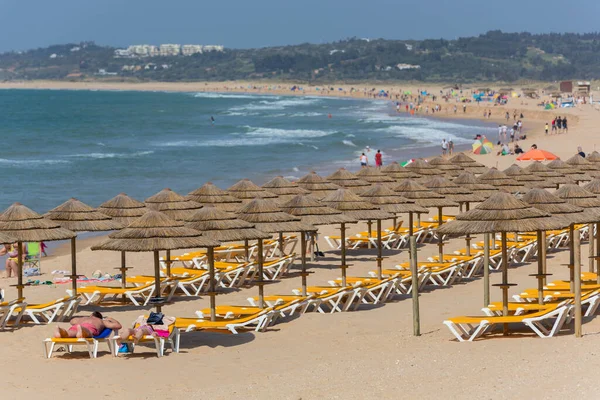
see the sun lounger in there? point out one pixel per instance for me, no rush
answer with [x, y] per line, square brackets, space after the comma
[375, 291]
[8, 314]
[335, 299]
[96, 294]
[69, 343]
[52, 311]
[158, 342]
[278, 300]
[545, 323]
[255, 321]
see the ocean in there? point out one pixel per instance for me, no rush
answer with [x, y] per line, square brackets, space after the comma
[93, 145]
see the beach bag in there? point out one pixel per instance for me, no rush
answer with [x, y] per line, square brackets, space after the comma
[155, 318]
[34, 271]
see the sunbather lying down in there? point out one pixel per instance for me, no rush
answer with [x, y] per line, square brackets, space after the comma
[87, 327]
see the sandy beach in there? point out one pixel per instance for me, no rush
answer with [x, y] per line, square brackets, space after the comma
[368, 354]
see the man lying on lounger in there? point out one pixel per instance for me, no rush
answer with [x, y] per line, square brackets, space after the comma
[87, 327]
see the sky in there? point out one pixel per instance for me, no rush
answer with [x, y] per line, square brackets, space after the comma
[26, 24]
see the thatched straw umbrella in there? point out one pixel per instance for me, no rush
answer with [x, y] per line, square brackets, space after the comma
[313, 212]
[527, 178]
[211, 195]
[25, 225]
[246, 190]
[392, 202]
[501, 181]
[455, 193]
[125, 210]
[578, 196]
[469, 181]
[267, 216]
[283, 188]
[172, 204]
[569, 171]
[468, 164]
[552, 176]
[347, 180]
[593, 157]
[79, 217]
[318, 186]
[423, 169]
[222, 226]
[594, 187]
[155, 231]
[398, 172]
[450, 169]
[583, 165]
[374, 176]
[355, 207]
[503, 213]
[563, 213]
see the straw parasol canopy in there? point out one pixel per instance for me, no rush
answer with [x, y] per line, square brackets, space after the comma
[578, 196]
[583, 165]
[155, 231]
[501, 212]
[469, 181]
[6, 239]
[593, 186]
[354, 206]
[423, 169]
[593, 157]
[468, 164]
[211, 195]
[283, 188]
[569, 171]
[500, 180]
[390, 201]
[452, 191]
[25, 225]
[267, 216]
[123, 209]
[222, 226]
[347, 180]
[559, 208]
[313, 212]
[79, 217]
[527, 178]
[422, 196]
[551, 176]
[398, 172]
[248, 190]
[317, 185]
[446, 166]
[374, 175]
[172, 204]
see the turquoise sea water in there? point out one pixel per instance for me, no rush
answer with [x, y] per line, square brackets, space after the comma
[93, 145]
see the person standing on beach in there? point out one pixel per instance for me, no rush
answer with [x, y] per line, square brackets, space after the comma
[546, 128]
[464, 108]
[364, 161]
[507, 116]
[554, 125]
[444, 147]
[499, 132]
[378, 159]
[564, 124]
[558, 124]
[450, 147]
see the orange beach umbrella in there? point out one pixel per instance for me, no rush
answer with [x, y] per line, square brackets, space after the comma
[537, 155]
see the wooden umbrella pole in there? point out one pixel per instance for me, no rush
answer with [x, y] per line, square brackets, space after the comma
[168, 262]
[211, 283]
[540, 271]
[123, 270]
[591, 248]
[303, 259]
[379, 251]
[468, 237]
[486, 269]
[281, 253]
[343, 239]
[74, 266]
[598, 253]
[577, 282]
[395, 221]
[542, 248]
[157, 281]
[412, 241]
[410, 230]
[369, 227]
[313, 237]
[20, 272]
[572, 257]
[261, 293]
[504, 280]
[246, 251]
[440, 237]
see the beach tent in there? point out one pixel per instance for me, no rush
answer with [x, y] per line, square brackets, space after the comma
[537, 155]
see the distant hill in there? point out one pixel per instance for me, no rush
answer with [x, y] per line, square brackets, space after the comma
[494, 56]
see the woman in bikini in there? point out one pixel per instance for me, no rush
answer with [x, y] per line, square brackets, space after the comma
[12, 264]
[87, 327]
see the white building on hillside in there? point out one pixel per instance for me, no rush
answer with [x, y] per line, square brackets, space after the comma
[167, 50]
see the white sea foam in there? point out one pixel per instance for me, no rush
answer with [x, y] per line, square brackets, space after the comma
[31, 163]
[211, 95]
[287, 133]
[306, 114]
[424, 135]
[348, 143]
[295, 169]
[350, 135]
[269, 105]
[101, 156]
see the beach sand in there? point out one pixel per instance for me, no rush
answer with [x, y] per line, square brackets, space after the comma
[366, 354]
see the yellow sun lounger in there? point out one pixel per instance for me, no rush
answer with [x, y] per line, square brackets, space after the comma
[52, 311]
[254, 321]
[158, 342]
[545, 323]
[69, 343]
[96, 294]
